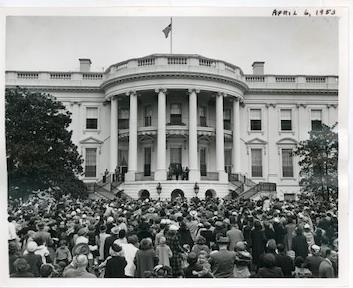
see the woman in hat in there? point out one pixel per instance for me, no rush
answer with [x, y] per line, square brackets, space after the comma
[173, 242]
[145, 258]
[115, 266]
[242, 261]
[200, 245]
[258, 241]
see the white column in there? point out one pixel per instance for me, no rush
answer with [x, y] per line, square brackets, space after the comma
[194, 174]
[113, 133]
[130, 175]
[222, 176]
[161, 172]
[236, 137]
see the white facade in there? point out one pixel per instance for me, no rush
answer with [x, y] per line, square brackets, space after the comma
[202, 113]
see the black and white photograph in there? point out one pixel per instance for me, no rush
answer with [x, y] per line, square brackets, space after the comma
[173, 146]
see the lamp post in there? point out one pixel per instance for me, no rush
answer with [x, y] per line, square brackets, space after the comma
[159, 190]
[196, 188]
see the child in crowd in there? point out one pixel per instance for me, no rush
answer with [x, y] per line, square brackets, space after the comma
[206, 266]
[62, 253]
[163, 252]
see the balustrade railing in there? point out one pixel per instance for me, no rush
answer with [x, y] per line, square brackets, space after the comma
[315, 79]
[92, 76]
[177, 60]
[255, 78]
[27, 75]
[60, 76]
[146, 62]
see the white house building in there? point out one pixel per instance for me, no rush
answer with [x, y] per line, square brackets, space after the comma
[153, 115]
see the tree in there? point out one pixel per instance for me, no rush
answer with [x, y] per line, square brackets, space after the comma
[318, 162]
[40, 153]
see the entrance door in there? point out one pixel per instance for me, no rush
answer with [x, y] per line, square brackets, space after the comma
[147, 166]
[203, 165]
[175, 162]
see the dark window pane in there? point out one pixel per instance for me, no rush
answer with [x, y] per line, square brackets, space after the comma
[255, 125]
[123, 123]
[287, 171]
[175, 119]
[90, 171]
[226, 124]
[256, 171]
[148, 121]
[316, 125]
[286, 125]
[203, 122]
[91, 123]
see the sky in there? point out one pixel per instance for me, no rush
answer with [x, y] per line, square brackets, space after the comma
[287, 45]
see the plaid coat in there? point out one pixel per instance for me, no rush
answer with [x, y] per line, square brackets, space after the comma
[176, 260]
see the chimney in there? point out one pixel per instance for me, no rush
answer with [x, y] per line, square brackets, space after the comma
[258, 68]
[85, 64]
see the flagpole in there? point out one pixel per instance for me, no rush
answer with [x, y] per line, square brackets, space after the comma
[171, 35]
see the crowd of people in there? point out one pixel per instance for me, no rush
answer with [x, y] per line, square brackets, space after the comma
[147, 238]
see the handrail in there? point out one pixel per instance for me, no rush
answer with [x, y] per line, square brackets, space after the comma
[260, 187]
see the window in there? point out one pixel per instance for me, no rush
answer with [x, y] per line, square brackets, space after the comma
[147, 166]
[123, 122]
[202, 114]
[287, 163]
[175, 114]
[203, 165]
[228, 160]
[286, 120]
[91, 162]
[316, 120]
[148, 115]
[175, 156]
[91, 118]
[255, 119]
[226, 119]
[256, 162]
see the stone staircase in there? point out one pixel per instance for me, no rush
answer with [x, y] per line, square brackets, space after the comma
[247, 189]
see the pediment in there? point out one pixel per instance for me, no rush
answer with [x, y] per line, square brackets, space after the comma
[91, 140]
[287, 140]
[256, 141]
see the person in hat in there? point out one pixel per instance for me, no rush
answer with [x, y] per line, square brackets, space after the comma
[309, 235]
[101, 239]
[34, 260]
[21, 268]
[114, 235]
[145, 258]
[270, 270]
[193, 266]
[44, 235]
[242, 261]
[173, 241]
[326, 268]
[284, 261]
[200, 245]
[258, 241]
[222, 262]
[163, 252]
[185, 235]
[129, 251]
[62, 253]
[115, 266]
[299, 244]
[235, 236]
[78, 268]
[313, 260]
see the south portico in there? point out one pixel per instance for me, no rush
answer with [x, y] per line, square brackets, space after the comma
[185, 141]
